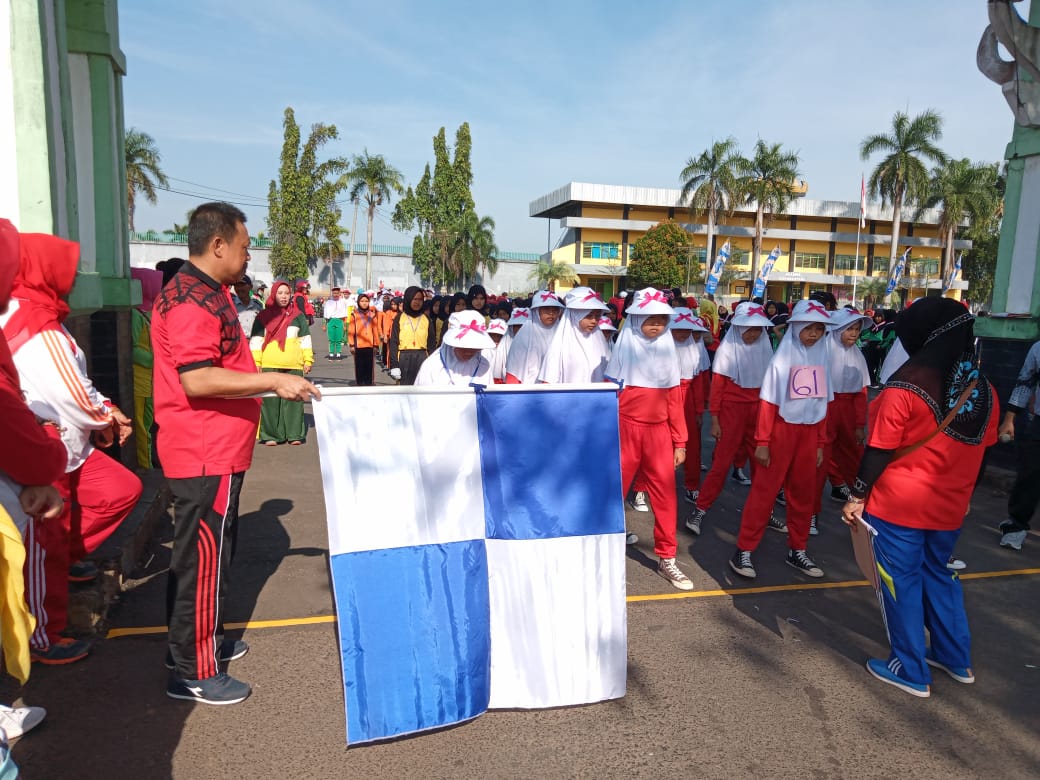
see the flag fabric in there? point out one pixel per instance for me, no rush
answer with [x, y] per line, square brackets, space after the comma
[896, 273]
[948, 283]
[716, 269]
[477, 553]
[763, 273]
[862, 203]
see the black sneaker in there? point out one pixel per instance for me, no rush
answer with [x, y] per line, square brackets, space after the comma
[693, 522]
[800, 560]
[219, 689]
[740, 477]
[230, 650]
[691, 496]
[776, 524]
[741, 564]
[841, 494]
[813, 530]
[781, 499]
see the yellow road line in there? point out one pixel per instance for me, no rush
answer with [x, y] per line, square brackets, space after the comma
[115, 633]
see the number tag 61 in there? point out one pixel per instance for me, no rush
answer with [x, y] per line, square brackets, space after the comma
[807, 382]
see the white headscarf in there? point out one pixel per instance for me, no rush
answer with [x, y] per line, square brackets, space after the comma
[693, 355]
[779, 382]
[745, 364]
[849, 372]
[443, 367]
[531, 342]
[574, 356]
[895, 358]
[497, 354]
[641, 362]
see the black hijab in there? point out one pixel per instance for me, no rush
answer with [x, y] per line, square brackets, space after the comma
[406, 306]
[938, 335]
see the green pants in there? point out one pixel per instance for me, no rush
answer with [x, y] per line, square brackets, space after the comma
[282, 420]
[335, 329]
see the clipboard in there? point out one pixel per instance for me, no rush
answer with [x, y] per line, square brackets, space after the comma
[863, 548]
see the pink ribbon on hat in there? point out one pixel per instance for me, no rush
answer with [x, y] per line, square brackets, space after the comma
[681, 316]
[521, 313]
[549, 295]
[700, 322]
[657, 295]
[605, 321]
[756, 310]
[818, 308]
[592, 295]
[474, 326]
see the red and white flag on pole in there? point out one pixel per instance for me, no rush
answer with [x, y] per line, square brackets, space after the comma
[862, 202]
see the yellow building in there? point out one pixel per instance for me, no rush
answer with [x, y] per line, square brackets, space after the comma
[817, 241]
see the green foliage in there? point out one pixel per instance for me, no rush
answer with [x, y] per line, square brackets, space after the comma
[454, 242]
[143, 173]
[871, 290]
[659, 257]
[303, 214]
[547, 274]
[374, 181]
[765, 180]
[709, 184]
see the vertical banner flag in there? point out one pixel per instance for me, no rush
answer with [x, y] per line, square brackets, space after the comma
[716, 269]
[948, 282]
[862, 203]
[896, 273]
[763, 274]
[474, 568]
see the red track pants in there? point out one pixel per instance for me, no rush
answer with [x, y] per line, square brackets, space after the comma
[846, 453]
[646, 450]
[737, 420]
[792, 465]
[693, 409]
[98, 497]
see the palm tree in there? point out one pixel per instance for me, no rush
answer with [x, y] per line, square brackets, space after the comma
[475, 246]
[901, 178]
[765, 181]
[547, 273]
[143, 173]
[709, 185]
[374, 181]
[965, 190]
[871, 289]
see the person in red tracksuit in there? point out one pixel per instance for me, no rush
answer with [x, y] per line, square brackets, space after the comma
[790, 435]
[847, 415]
[653, 429]
[737, 371]
[688, 333]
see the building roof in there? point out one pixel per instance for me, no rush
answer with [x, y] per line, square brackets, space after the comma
[563, 202]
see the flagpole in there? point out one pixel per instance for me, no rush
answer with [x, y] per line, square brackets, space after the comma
[859, 227]
[855, 275]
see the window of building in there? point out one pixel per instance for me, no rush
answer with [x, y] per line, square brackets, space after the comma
[740, 258]
[596, 250]
[605, 287]
[848, 263]
[810, 261]
[925, 267]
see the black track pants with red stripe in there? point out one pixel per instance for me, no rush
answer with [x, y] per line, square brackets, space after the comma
[205, 518]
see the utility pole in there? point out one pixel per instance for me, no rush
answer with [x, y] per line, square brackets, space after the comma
[350, 253]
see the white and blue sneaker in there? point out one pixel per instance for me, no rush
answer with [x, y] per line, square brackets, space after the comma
[887, 674]
[962, 674]
[1010, 537]
[220, 689]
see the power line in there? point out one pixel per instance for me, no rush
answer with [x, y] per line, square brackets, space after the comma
[218, 189]
[204, 196]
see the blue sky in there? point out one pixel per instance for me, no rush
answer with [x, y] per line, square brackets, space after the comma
[611, 92]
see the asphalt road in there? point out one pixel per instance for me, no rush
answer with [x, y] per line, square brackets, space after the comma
[764, 682]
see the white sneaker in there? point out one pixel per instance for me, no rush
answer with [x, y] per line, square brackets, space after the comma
[631, 538]
[16, 721]
[639, 503]
[668, 569]
[956, 564]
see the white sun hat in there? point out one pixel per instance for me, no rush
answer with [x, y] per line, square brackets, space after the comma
[684, 319]
[751, 315]
[521, 315]
[606, 324]
[842, 318]
[810, 311]
[545, 298]
[497, 326]
[466, 329]
[650, 301]
[584, 299]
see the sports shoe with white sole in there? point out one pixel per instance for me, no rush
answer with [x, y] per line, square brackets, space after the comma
[631, 538]
[781, 498]
[692, 495]
[956, 564]
[741, 564]
[800, 560]
[220, 689]
[230, 650]
[638, 502]
[668, 569]
[777, 524]
[16, 721]
[962, 674]
[740, 477]
[884, 672]
[1014, 539]
[693, 522]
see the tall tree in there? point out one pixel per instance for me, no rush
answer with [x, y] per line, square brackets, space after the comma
[374, 181]
[766, 181]
[962, 190]
[143, 173]
[453, 241]
[901, 177]
[658, 256]
[547, 273]
[302, 210]
[709, 186]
